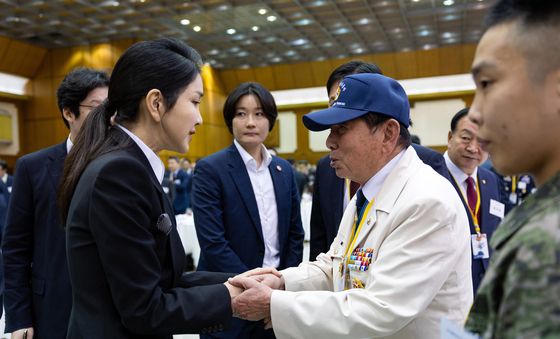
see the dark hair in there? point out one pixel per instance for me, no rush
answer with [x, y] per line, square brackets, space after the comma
[415, 139]
[529, 12]
[265, 98]
[173, 158]
[457, 117]
[351, 67]
[3, 164]
[374, 119]
[76, 86]
[535, 33]
[165, 64]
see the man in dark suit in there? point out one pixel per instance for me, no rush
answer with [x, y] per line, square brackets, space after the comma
[37, 286]
[331, 194]
[478, 188]
[179, 182]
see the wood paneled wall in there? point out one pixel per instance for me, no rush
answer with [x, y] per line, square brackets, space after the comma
[42, 124]
[404, 65]
[19, 58]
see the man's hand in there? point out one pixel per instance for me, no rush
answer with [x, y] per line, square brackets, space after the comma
[268, 276]
[254, 303]
[19, 333]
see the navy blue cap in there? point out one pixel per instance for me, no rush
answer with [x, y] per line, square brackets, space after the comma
[359, 94]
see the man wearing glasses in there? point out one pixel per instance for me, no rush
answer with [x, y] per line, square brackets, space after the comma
[37, 295]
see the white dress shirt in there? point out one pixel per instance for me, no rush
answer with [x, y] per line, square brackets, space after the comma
[458, 174]
[266, 202]
[155, 161]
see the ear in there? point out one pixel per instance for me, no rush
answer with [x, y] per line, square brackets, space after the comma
[449, 136]
[391, 131]
[68, 115]
[155, 105]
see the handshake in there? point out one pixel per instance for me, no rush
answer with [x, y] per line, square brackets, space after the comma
[251, 293]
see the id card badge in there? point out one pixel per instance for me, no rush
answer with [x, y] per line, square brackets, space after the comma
[480, 246]
[513, 198]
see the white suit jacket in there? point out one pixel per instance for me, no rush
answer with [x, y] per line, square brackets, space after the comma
[420, 271]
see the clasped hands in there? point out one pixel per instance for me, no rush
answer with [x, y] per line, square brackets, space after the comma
[251, 293]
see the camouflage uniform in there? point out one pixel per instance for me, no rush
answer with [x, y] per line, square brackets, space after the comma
[520, 295]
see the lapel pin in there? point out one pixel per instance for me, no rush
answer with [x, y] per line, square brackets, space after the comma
[483, 181]
[368, 222]
[279, 168]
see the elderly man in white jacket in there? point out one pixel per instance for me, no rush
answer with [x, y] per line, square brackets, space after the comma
[401, 259]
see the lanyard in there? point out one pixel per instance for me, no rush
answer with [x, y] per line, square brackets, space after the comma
[347, 184]
[354, 235]
[513, 182]
[474, 214]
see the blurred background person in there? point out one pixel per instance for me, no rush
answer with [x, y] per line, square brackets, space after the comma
[38, 295]
[516, 108]
[246, 203]
[477, 187]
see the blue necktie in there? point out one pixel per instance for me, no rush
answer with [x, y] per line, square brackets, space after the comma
[361, 202]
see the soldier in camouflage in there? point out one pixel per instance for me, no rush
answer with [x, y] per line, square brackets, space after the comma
[517, 109]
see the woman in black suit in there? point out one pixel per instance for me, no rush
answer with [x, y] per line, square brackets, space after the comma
[125, 257]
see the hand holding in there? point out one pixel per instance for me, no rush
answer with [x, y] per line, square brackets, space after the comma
[254, 303]
[268, 276]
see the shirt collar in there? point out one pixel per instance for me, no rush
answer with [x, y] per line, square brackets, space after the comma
[373, 185]
[248, 160]
[69, 145]
[456, 172]
[155, 161]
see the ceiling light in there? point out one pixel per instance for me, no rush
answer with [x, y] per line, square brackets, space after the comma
[424, 32]
[341, 30]
[271, 18]
[185, 22]
[299, 42]
[255, 28]
[270, 39]
[213, 52]
[363, 21]
[230, 31]
[243, 54]
[196, 28]
[303, 22]
[415, 0]
[317, 3]
[276, 59]
[358, 51]
[290, 53]
[448, 2]
[327, 44]
[245, 66]
[235, 49]
[262, 11]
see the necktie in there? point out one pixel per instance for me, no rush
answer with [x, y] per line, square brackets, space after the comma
[360, 203]
[471, 194]
[353, 188]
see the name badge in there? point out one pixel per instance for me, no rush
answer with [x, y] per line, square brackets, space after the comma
[497, 208]
[480, 246]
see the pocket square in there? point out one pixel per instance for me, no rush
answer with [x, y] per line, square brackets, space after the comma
[164, 223]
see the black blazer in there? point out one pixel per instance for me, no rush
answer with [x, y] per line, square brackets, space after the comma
[328, 199]
[38, 291]
[125, 266]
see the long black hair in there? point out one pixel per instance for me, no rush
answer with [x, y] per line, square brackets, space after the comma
[164, 64]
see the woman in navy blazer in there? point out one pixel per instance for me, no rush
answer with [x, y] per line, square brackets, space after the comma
[246, 204]
[125, 257]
